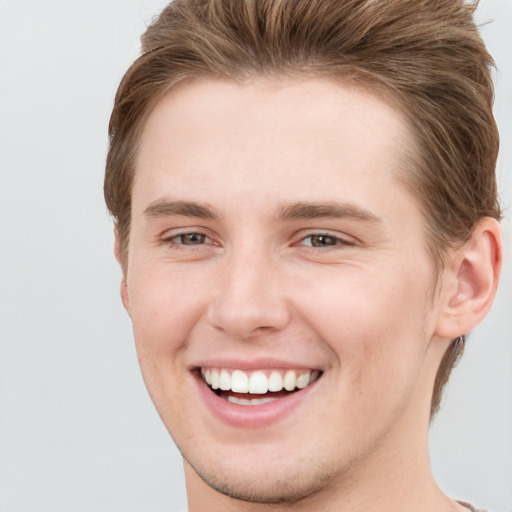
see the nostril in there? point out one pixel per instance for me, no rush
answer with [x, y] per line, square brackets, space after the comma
[247, 305]
[244, 326]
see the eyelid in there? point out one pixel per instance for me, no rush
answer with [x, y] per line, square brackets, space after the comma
[203, 238]
[341, 239]
[169, 236]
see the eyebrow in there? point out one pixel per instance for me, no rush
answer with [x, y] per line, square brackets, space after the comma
[293, 211]
[301, 211]
[164, 208]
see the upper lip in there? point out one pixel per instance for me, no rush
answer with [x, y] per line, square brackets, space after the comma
[253, 364]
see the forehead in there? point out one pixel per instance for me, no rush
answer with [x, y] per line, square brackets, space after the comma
[297, 138]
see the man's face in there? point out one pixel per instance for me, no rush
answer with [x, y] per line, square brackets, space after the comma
[272, 240]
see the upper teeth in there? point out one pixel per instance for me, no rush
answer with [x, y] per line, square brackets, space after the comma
[257, 382]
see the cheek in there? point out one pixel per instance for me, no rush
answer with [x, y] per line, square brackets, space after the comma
[165, 306]
[374, 323]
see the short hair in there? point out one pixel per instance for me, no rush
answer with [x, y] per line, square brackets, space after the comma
[426, 58]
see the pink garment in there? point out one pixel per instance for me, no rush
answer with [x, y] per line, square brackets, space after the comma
[470, 507]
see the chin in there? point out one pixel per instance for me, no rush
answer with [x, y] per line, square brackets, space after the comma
[264, 485]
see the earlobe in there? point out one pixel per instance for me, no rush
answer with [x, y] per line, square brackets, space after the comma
[472, 275]
[125, 297]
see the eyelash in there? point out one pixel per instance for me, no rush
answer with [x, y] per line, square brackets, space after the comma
[205, 239]
[172, 240]
[338, 241]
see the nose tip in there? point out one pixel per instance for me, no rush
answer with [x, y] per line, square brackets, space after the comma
[248, 303]
[242, 323]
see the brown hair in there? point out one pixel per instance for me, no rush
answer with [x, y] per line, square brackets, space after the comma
[427, 57]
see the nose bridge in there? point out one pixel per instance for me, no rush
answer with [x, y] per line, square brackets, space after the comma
[248, 300]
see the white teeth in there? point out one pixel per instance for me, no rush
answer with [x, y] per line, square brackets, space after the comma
[239, 382]
[225, 380]
[257, 382]
[303, 380]
[215, 379]
[252, 401]
[289, 381]
[275, 382]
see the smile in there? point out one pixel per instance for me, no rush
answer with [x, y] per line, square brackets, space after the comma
[236, 386]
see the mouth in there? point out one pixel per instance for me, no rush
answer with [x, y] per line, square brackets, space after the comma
[257, 387]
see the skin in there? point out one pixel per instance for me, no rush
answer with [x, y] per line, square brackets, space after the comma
[363, 304]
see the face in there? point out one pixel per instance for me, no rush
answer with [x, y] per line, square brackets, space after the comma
[279, 284]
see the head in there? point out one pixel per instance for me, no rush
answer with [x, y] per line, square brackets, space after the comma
[426, 63]
[429, 62]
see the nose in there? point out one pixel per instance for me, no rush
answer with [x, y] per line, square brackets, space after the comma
[249, 300]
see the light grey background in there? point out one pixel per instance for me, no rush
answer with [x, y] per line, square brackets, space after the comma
[77, 430]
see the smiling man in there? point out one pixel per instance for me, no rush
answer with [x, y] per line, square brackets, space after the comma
[306, 219]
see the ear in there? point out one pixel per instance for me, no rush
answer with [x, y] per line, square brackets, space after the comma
[470, 280]
[125, 297]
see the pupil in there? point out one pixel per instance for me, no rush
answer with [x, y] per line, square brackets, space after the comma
[322, 240]
[193, 239]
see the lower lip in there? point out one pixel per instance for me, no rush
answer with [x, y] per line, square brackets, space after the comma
[252, 416]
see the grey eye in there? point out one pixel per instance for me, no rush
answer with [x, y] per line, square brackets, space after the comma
[191, 239]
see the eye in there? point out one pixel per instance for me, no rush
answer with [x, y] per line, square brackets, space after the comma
[190, 239]
[323, 240]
